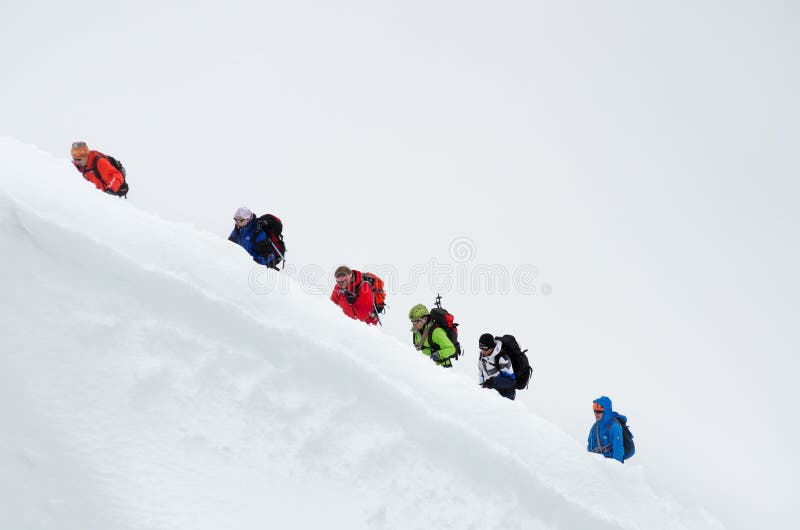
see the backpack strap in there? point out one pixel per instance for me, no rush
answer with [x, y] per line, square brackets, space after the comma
[433, 345]
[123, 188]
[428, 334]
[357, 292]
[497, 360]
[422, 338]
[437, 347]
[262, 226]
[622, 435]
[371, 281]
[598, 447]
[357, 289]
[96, 170]
[602, 449]
[365, 277]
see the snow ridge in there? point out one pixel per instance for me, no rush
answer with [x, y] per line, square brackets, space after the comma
[151, 387]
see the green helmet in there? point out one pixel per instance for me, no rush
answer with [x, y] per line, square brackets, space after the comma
[418, 311]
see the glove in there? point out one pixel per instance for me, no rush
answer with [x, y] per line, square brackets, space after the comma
[350, 296]
[489, 383]
[110, 191]
[435, 357]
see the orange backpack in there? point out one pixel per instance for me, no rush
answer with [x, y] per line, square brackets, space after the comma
[377, 290]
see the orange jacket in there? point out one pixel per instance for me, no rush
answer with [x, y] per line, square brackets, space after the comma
[99, 171]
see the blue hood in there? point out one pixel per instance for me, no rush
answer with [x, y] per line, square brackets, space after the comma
[608, 412]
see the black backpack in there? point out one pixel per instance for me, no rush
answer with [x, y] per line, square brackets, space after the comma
[442, 319]
[627, 436]
[117, 165]
[274, 229]
[123, 188]
[519, 361]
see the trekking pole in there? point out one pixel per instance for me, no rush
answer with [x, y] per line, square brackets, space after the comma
[375, 308]
[438, 302]
[278, 251]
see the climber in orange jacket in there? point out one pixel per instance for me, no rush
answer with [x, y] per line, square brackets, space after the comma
[101, 170]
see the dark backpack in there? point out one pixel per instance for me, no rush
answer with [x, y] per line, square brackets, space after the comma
[519, 361]
[442, 319]
[627, 436]
[123, 188]
[273, 227]
[117, 165]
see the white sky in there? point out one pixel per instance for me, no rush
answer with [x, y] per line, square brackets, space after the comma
[641, 155]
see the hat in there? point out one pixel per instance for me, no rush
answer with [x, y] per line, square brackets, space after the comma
[79, 150]
[486, 341]
[418, 311]
[243, 213]
[342, 270]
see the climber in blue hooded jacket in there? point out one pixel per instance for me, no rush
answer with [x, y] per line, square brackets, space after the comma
[605, 436]
[248, 236]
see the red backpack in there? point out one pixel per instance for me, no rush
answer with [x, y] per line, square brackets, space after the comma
[377, 290]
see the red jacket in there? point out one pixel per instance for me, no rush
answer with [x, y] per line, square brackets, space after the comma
[363, 307]
[99, 171]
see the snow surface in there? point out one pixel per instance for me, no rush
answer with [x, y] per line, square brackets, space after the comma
[145, 385]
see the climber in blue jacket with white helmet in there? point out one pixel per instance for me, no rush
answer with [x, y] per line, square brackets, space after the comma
[249, 235]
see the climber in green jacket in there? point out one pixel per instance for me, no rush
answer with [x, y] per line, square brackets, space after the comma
[430, 338]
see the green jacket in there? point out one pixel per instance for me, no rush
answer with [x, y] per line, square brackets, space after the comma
[438, 341]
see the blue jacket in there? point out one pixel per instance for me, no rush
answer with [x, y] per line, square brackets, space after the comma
[246, 237]
[605, 436]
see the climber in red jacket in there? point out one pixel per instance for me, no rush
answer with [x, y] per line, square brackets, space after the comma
[103, 171]
[354, 295]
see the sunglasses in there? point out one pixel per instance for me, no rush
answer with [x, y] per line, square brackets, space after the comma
[341, 280]
[239, 219]
[598, 411]
[485, 348]
[415, 320]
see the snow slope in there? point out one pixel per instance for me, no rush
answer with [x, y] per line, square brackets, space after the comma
[146, 385]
